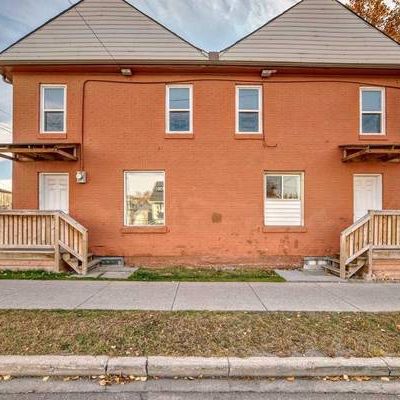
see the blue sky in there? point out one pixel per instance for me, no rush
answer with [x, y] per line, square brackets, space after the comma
[209, 24]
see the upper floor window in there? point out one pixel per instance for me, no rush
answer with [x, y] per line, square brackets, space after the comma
[248, 109]
[179, 109]
[372, 111]
[144, 198]
[53, 108]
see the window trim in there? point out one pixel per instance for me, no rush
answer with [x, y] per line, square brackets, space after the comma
[382, 112]
[168, 110]
[301, 199]
[260, 108]
[43, 110]
[126, 172]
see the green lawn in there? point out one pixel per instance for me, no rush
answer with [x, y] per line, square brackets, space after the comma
[205, 275]
[36, 275]
[162, 274]
[206, 334]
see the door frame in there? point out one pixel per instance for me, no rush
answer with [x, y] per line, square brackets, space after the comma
[380, 189]
[41, 187]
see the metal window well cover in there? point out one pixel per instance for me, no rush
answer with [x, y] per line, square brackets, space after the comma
[113, 260]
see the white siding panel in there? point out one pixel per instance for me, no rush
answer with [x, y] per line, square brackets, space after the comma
[123, 30]
[283, 213]
[316, 31]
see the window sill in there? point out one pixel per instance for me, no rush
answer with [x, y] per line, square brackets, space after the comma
[144, 229]
[372, 137]
[247, 136]
[284, 229]
[179, 136]
[46, 136]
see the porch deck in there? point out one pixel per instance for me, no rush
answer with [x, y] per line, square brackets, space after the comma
[53, 240]
[370, 246]
[49, 240]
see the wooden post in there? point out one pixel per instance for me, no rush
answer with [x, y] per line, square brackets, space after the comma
[343, 256]
[370, 258]
[57, 254]
[85, 251]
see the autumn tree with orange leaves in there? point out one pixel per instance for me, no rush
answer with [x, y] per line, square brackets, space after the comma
[384, 14]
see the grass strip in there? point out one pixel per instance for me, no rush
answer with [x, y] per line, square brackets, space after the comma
[160, 274]
[180, 274]
[240, 334]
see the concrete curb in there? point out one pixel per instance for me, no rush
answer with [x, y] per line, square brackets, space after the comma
[222, 367]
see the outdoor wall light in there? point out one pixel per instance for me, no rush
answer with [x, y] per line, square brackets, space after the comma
[126, 71]
[266, 73]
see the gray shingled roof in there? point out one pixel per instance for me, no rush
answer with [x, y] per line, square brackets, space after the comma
[124, 33]
[316, 32]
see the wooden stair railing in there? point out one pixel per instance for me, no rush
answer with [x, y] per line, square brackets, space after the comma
[34, 230]
[377, 230]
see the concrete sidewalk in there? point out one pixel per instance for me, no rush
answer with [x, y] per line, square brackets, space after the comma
[113, 295]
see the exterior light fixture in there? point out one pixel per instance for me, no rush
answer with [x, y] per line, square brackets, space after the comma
[126, 71]
[266, 73]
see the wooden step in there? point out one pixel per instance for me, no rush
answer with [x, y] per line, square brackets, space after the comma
[333, 260]
[72, 261]
[334, 270]
[93, 263]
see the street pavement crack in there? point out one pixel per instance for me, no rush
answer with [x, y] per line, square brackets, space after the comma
[258, 297]
[339, 298]
[94, 294]
[176, 293]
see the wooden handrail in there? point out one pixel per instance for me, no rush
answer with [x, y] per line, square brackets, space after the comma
[27, 212]
[379, 229]
[356, 224]
[72, 222]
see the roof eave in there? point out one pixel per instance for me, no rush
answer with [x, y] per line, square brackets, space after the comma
[308, 64]
[221, 62]
[8, 63]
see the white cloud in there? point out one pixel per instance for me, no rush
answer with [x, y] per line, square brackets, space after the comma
[6, 184]
[213, 24]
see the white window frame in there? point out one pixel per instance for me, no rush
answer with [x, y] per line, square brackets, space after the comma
[259, 110]
[382, 112]
[168, 110]
[125, 193]
[43, 110]
[301, 193]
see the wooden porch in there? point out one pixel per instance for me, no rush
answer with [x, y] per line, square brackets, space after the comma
[370, 247]
[48, 240]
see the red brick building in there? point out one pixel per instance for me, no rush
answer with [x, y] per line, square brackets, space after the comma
[181, 156]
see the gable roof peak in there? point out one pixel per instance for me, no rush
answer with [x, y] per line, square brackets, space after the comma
[102, 31]
[316, 32]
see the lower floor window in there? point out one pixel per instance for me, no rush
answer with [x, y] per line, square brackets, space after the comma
[144, 198]
[283, 199]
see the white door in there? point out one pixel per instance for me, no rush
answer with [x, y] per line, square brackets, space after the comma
[54, 192]
[367, 194]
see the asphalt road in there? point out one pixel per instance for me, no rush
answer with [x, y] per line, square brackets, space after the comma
[204, 389]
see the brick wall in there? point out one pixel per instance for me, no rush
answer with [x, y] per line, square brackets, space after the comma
[213, 173]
